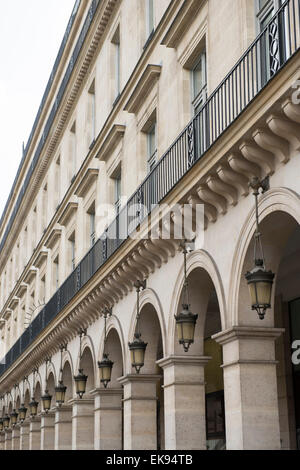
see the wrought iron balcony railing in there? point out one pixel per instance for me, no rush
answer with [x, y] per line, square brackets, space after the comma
[270, 51]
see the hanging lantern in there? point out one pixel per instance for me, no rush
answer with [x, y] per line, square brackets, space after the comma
[186, 320]
[14, 418]
[80, 382]
[260, 284]
[60, 393]
[6, 421]
[260, 281]
[22, 413]
[186, 323]
[1, 424]
[137, 350]
[46, 399]
[105, 368]
[33, 408]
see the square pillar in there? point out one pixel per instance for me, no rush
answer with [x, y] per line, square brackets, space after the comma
[140, 411]
[83, 424]
[24, 436]
[108, 415]
[63, 428]
[47, 431]
[2, 439]
[8, 438]
[184, 402]
[35, 433]
[15, 443]
[250, 388]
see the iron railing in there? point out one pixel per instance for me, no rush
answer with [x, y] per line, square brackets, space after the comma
[50, 120]
[271, 50]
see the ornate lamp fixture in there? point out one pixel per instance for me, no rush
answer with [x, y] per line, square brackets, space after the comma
[33, 405]
[14, 415]
[1, 424]
[106, 365]
[46, 398]
[60, 390]
[6, 421]
[1, 417]
[80, 379]
[186, 320]
[22, 410]
[260, 281]
[138, 347]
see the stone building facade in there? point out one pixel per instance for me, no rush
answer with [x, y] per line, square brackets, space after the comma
[154, 106]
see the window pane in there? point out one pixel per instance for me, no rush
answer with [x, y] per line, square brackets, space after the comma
[198, 82]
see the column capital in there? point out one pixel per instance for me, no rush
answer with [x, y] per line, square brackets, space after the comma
[107, 392]
[82, 401]
[141, 378]
[183, 360]
[247, 332]
[8, 431]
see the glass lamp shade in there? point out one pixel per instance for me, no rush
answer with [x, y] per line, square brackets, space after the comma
[14, 418]
[60, 393]
[137, 349]
[1, 424]
[186, 322]
[80, 382]
[46, 399]
[6, 421]
[33, 407]
[260, 284]
[105, 368]
[22, 413]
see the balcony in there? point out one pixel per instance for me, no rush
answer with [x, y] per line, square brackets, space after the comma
[270, 53]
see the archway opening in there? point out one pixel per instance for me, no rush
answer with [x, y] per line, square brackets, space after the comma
[281, 243]
[87, 364]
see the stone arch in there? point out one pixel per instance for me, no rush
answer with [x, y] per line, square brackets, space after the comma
[67, 376]
[148, 297]
[115, 347]
[202, 260]
[88, 365]
[279, 200]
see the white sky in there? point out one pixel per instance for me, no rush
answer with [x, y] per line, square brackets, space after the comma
[31, 32]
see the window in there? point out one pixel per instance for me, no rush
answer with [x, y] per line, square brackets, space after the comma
[92, 111]
[117, 62]
[44, 205]
[149, 17]
[72, 251]
[199, 88]
[73, 150]
[43, 290]
[56, 273]
[270, 62]
[151, 147]
[92, 224]
[57, 182]
[117, 189]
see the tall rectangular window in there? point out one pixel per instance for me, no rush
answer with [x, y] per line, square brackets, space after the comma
[117, 61]
[117, 189]
[199, 82]
[92, 224]
[56, 273]
[57, 182]
[152, 147]
[150, 17]
[92, 110]
[72, 251]
[73, 145]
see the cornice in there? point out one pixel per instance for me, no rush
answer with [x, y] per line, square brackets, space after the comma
[67, 214]
[111, 141]
[41, 257]
[86, 183]
[54, 235]
[30, 275]
[182, 22]
[147, 81]
[21, 289]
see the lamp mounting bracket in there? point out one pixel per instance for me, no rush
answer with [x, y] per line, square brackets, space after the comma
[256, 184]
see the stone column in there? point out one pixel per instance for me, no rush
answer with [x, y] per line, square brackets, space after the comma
[108, 419]
[250, 388]
[47, 431]
[8, 437]
[83, 424]
[15, 444]
[24, 436]
[35, 433]
[140, 411]
[2, 439]
[63, 428]
[184, 402]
